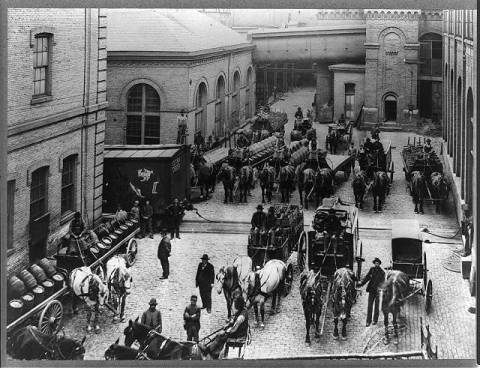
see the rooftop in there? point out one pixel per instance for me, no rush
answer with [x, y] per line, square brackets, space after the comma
[182, 31]
[348, 67]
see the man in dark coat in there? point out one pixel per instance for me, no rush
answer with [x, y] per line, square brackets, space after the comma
[270, 224]
[176, 212]
[332, 227]
[164, 249]
[146, 220]
[299, 113]
[191, 318]
[258, 224]
[204, 281]
[152, 317]
[375, 277]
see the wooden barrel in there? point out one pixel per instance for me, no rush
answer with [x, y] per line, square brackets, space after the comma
[15, 310]
[107, 241]
[101, 232]
[102, 248]
[47, 266]
[119, 233]
[58, 281]
[113, 238]
[28, 300]
[130, 226]
[48, 285]
[28, 279]
[16, 287]
[134, 221]
[38, 273]
[125, 228]
[39, 292]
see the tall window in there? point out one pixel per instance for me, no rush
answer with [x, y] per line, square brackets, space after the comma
[10, 212]
[68, 184]
[38, 193]
[143, 115]
[236, 100]
[431, 55]
[349, 101]
[41, 61]
[220, 108]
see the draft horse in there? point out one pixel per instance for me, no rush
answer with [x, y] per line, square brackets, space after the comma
[308, 186]
[311, 293]
[359, 185]
[287, 177]
[343, 298]
[267, 178]
[418, 189]
[227, 176]
[245, 182]
[380, 188]
[228, 281]
[119, 282]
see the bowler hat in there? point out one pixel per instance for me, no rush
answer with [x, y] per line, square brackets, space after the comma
[205, 256]
[259, 207]
[153, 301]
[429, 140]
[377, 260]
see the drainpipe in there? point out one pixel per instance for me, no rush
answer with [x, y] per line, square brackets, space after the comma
[229, 116]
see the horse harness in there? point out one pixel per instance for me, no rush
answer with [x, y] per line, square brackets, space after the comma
[259, 288]
[47, 348]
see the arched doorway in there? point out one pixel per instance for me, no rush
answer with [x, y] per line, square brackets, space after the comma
[143, 115]
[201, 110]
[248, 95]
[220, 108]
[469, 150]
[236, 101]
[390, 108]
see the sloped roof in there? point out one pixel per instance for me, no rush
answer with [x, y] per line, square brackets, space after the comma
[167, 30]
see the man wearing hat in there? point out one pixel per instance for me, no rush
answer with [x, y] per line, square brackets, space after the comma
[204, 281]
[164, 249]
[331, 229]
[259, 219]
[427, 148]
[375, 277]
[191, 318]
[152, 317]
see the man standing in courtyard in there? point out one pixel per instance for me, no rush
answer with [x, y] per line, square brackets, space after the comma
[375, 277]
[164, 249]
[146, 220]
[176, 212]
[191, 317]
[204, 281]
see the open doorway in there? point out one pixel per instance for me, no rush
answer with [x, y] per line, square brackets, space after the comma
[390, 108]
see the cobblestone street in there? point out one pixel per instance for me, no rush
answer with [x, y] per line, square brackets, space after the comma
[225, 237]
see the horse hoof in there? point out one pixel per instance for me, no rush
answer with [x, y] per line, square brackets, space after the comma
[115, 318]
[255, 324]
[395, 342]
[335, 337]
[307, 341]
[97, 329]
[89, 328]
[262, 325]
[344, 338]
[227, 319]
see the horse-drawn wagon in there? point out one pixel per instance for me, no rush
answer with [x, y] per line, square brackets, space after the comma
[280, 242]
[409, 257]
[113, 237]
[339, 133]
[424, 175]
[302, 129]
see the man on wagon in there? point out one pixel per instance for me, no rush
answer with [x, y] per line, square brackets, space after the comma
[332, 227]
[77, 226]
[299, 113]
[427, 148]
[270, 224]
[375, 277]
[258, 223]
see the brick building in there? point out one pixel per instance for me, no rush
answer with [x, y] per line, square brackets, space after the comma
[161, 62]
[459, 111]
[56, 114]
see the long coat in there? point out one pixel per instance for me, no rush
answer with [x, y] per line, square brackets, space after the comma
[164, 248]
[375, 277]
[205, 277]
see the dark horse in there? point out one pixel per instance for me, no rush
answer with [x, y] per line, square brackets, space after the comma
[30, 344]
[308, 186]
[227, 176]
[393, 291]
[440, 187]
[380, 187]
[299, 178]
[343, 297]
[267, 178]
[359, 186]
[323, 184]
[287, 177]
[417, 189]
[227, 280]
[245, 182]
[120, 352]
[206, 178]
[157, 347]
[311, 293]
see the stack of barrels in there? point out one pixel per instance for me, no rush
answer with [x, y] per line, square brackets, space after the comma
[260, 150]
[32, 286]
[416, 159]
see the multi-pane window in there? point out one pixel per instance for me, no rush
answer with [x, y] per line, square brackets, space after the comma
[143, 115]
[68, 184]
[431, 54]
[10, 212]
[38, 193]
[469, 24]
[41, 61]
[349, 101]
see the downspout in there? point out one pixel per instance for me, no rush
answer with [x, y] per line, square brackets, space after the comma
[229, 116]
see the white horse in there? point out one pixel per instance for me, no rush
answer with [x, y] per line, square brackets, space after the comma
[268, 281]
[119, 281]
[91, 289]
[243, 265]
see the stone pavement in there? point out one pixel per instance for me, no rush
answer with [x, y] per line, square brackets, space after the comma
[453, 328]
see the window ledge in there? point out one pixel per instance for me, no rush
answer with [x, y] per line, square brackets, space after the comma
[40, 99]
[10, 252]
[66, 217]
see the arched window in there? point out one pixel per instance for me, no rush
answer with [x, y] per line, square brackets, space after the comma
[248, 95]
[201, 110]
[143, 115]
[470, 154]
[220, 107]
[236, 100]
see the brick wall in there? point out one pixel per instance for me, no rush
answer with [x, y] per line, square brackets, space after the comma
[177, 85]
[44, 134]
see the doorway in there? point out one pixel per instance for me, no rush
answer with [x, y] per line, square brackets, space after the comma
[390, 108]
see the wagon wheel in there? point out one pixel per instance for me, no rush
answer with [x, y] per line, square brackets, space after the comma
[425, 271]
[132, 249]
[51, 318]
[288, 280]
[301, 253]
[428, 296]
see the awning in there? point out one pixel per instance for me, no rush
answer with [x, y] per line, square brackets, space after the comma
[406, 228]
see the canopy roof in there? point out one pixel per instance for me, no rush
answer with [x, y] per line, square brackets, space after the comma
[406, 228]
